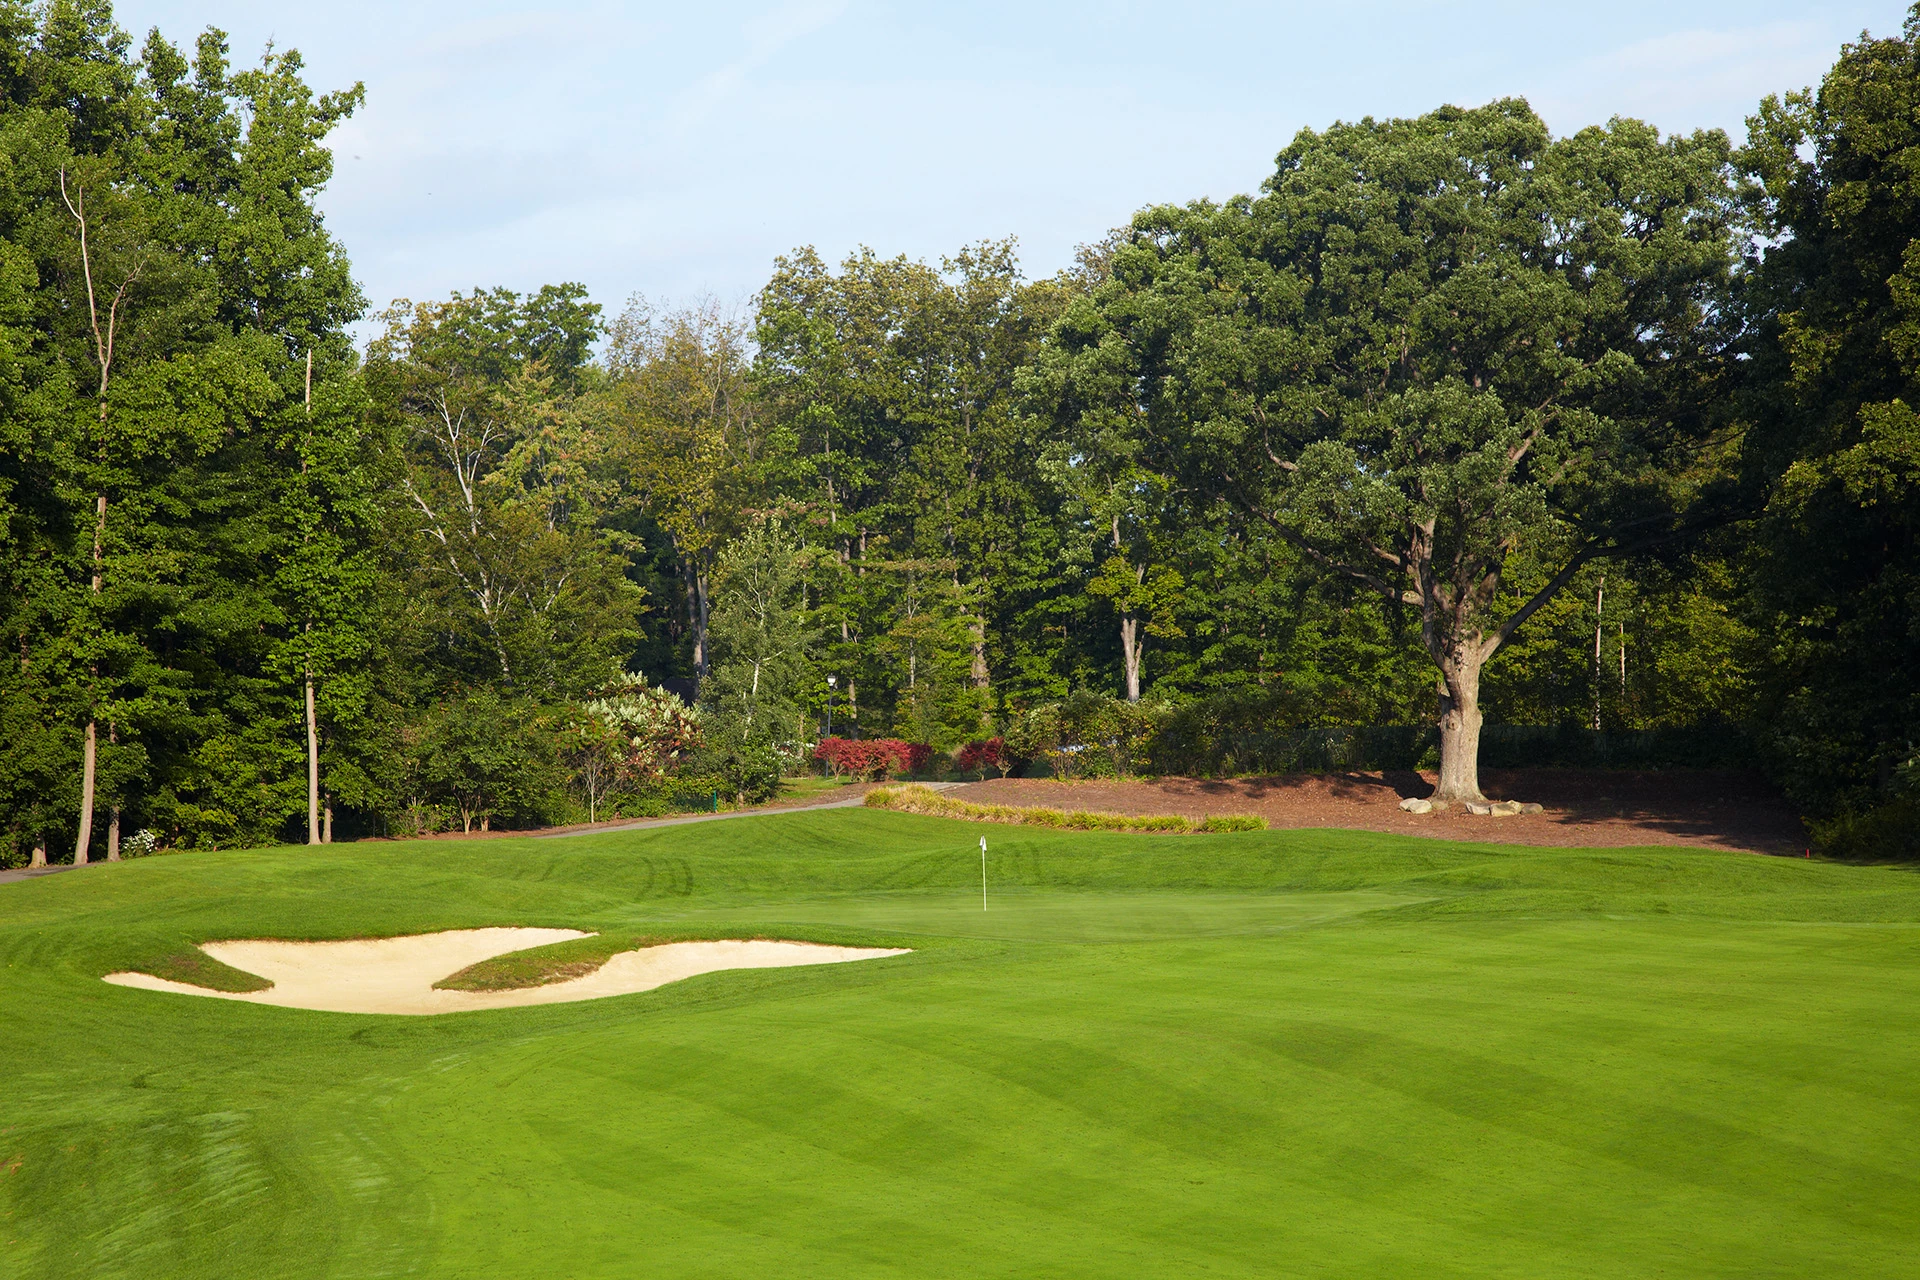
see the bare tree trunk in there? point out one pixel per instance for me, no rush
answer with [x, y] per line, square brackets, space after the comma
[1599, 615]
[313, 767]
[1129, 624]
[39, 858]
[699, 610]
[326, 821]
[1460, 730]
[103, 340]
[313, 721]
[1130, 653]
[977, 630]
[113, 818]
[90, 755]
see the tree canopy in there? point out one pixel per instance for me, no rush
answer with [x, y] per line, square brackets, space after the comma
[1453, 423]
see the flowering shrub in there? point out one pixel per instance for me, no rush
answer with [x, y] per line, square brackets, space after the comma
[651, 728]
[987, 753]
[872, 757]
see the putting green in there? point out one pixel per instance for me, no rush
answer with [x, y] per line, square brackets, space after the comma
[1276, 1053]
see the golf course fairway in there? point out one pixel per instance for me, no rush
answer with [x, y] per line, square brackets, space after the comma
[1284, 1053]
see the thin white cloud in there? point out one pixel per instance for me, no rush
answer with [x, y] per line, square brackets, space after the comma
[1698, 78]
[767, 35]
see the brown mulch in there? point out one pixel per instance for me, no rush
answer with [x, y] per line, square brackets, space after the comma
[1709, 809]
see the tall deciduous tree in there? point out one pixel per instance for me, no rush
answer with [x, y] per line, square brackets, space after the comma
[684, 433]
[1836, 403]
[1430, 342]
[896, 383]
[503, 487]
[163, 205]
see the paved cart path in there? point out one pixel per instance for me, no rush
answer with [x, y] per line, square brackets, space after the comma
[832, 802]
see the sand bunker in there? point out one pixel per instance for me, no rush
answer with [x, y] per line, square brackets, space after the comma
[396, 975]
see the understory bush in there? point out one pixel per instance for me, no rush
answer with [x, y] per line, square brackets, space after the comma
[1088, 735]
[1889, 832]
[983, 754]
[685, 793]
[743, 756]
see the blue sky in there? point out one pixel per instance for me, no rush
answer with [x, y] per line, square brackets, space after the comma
[676, 149]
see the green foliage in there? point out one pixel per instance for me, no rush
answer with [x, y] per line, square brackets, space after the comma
[1449, 393]
[488, 759]
[1428, 343]
[164, 277]
[895, 383]
[743, 765]
[1835, 448]
[762, 640]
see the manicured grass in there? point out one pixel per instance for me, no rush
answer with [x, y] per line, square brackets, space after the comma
[1274, 1053]
[811, 784]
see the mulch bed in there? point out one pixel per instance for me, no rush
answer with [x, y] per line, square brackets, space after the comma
[1709, 809]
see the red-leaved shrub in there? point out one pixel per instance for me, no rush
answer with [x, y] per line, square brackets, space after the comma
[984, 754]
[872, 757]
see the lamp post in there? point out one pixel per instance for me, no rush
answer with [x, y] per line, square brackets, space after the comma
[831, 682]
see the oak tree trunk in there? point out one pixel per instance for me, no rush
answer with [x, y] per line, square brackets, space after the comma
[1460, 730]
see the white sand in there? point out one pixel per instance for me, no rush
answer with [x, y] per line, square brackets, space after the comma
[396, 975]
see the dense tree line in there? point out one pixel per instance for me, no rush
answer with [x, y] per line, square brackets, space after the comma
[1454, 421]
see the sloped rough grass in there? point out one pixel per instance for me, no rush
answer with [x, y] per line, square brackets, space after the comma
[543, 966]
[918, 799]
[199, 969]
[578, 957]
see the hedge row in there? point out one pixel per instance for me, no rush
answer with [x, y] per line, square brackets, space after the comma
[918, 799]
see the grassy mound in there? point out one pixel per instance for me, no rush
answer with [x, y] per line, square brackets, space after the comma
[1288, 1053]
[540, 966]
[565, 961]
[197, 968]
[914, 798]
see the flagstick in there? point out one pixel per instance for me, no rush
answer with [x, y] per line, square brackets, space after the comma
[983, 873]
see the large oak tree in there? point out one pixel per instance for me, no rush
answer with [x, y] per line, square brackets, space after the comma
[1429, 343]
